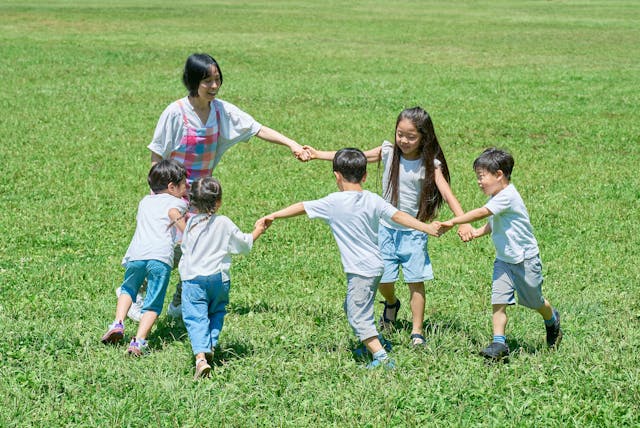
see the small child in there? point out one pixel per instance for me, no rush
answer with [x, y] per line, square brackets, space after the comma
[208, 242]
[517, 267]
[354, 215]
[150, 254]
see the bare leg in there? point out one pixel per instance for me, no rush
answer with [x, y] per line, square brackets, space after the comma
[122, 307]
[546, 310]
[416, 290]
[388, 291]
[148, 318]
[499, 319]
[373, 344]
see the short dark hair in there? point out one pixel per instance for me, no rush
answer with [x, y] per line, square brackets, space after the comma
[196, 69]
[205, 192]
[351, 164]
[493, 159]
[164, 172]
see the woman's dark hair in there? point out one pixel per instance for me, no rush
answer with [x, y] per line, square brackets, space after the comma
[164, 172]
[204, 194]
[351, 164]
[196, 69]
[430, 197]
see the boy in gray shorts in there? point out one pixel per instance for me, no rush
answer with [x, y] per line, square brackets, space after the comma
[517, 268]
[354, 215]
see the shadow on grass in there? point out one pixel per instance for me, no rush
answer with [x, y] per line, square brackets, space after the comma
[243, 309]
[231, 351]
[168, 330]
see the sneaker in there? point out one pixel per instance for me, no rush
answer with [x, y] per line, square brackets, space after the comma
[135, 311]
[389, 314]
[203, 369]
[137, 347]
[495, 351]
[115, 333]
[361, 351]
[386, 363]
[554, 332]
[174, 311]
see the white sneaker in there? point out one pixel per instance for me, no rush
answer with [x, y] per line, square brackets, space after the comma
[174, 311]
[135, 311]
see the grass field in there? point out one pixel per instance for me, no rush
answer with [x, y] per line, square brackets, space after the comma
[83, 84]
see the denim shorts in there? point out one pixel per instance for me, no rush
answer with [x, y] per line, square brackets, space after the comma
[406, 248]
[524, 279]
[157, 274]
[358, 305]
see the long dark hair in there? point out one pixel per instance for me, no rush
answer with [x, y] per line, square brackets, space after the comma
[430, 197]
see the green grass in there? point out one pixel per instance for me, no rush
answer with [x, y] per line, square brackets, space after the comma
[82, 86]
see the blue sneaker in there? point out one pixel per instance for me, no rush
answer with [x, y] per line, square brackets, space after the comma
[386, 363]
[362, 351]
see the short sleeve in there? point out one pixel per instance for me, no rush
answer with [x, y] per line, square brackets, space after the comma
[235, 124]
[498, 203]
[168, 132]
[320, 208]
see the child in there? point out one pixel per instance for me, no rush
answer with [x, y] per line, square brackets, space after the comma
[150, 254]
[415, 180]
[208, 242]
[517, 267]
[354, 215]
[199, 128]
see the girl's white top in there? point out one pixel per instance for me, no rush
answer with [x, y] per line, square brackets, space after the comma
[207, 247]
[409, 183]
[153, 238]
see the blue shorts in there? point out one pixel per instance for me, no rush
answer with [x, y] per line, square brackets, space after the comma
[406, 248]
[524, 279]
[157, 274]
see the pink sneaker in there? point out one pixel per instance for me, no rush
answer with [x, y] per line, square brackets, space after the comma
[115, 333]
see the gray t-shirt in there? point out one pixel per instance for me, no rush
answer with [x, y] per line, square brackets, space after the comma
[354, 218]
[511, 228]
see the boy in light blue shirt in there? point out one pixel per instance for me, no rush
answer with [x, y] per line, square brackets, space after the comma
[517, 268]
[354, 214]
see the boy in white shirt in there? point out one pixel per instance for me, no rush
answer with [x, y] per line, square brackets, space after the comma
[150, 253]
[517, 268]
[354, 216]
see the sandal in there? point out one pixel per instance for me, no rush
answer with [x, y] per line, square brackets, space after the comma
[385, 320]
[202, 369]
[418, 340]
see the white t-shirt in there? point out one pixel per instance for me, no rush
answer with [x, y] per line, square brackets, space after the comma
[511, 228]
[353, 217]
[235, 126]
[153, 238]
[410, 182]
[207, 247]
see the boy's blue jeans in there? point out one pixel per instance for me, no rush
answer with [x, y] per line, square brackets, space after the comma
[204, 305]
[157, 274]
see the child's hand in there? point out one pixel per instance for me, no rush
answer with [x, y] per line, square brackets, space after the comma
[313, 153]
[435, 229]
[465, 232]
[300, 153]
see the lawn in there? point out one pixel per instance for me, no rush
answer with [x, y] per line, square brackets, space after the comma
[555, 82]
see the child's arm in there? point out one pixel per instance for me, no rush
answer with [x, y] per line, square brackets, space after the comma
[177, 219]
[372, 155]
[259, 228]
[274, 136]
[290, 211]
[465, 231]
[469, 217]
[433, 229]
